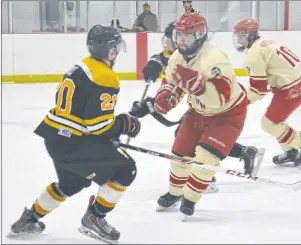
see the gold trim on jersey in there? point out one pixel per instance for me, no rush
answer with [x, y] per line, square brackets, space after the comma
[100, 73]
[68, 117]
[78, 126]
[52, 122]
[100, 124]
[70, 122]
[166, 53]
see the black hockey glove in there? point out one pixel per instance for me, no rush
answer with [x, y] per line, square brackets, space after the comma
[129, 125]
[153, 68]
[141, 109]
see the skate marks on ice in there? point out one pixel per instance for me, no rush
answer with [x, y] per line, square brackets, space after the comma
[50, 237]
[24, 238]
[22, 125]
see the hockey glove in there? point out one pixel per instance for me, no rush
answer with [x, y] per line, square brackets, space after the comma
[153, 68]
[162, 103]
[189, 80]
[129, 125]
[141, 109]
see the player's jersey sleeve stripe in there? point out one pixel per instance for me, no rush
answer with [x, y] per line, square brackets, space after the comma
[67, 123]
[259, 86]
[103, 129]
[259, 77]
[97, 120]
[101, 125]
[257, 91]
[56, 125]
[69, 117]
[291, 84]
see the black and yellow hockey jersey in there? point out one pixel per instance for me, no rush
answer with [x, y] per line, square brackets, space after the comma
[85, 102]
[164, 57]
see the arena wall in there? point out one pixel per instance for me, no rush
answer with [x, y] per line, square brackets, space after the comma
[43, 58]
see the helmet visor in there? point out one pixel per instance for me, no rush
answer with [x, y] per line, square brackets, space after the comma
[116, 49]
[240, 40]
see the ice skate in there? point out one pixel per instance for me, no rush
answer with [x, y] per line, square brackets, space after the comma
[249, 155]
[96, 226]
[186, 209]
[293, 156]
[168, 201]
[212, 187]
[26, 226]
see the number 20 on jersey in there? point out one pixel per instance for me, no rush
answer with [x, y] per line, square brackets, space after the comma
[65, 92]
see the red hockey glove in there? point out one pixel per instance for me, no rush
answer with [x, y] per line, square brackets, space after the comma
[189, 80]
[163, 101]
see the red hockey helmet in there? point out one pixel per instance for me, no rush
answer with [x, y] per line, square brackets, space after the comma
[190, 33]
[246, 32]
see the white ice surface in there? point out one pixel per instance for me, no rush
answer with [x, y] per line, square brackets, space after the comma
[241, 212]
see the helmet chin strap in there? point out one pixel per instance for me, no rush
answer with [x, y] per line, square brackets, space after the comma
[112, 58]
[112, 62]
[240, 48]
[195, 53]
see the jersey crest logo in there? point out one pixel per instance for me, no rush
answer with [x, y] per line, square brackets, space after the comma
[215, 71]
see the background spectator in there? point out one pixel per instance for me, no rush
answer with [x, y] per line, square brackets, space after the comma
[146, 21]
[188, 7]
[119, 27]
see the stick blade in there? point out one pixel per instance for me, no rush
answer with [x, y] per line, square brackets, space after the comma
[259, 156]
[297, 186]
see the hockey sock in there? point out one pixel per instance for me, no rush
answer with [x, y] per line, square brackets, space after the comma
[108, 196]
[236, 150]
[49, 199]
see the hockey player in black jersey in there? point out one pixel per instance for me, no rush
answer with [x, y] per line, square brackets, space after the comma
[155, 66]
[77, 134]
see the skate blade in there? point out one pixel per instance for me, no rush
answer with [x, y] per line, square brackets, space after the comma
[288, 165]
[91, 234]
[260, 155]
[162, 209]
[184, 218]
[210, 191]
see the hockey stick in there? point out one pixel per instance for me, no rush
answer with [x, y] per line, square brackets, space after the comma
[148, 82]
[161, 119]
[294, 186]
[232, 6]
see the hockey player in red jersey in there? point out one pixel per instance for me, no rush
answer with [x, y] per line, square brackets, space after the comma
[218, 106]
[272, 64]
[155, 66]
